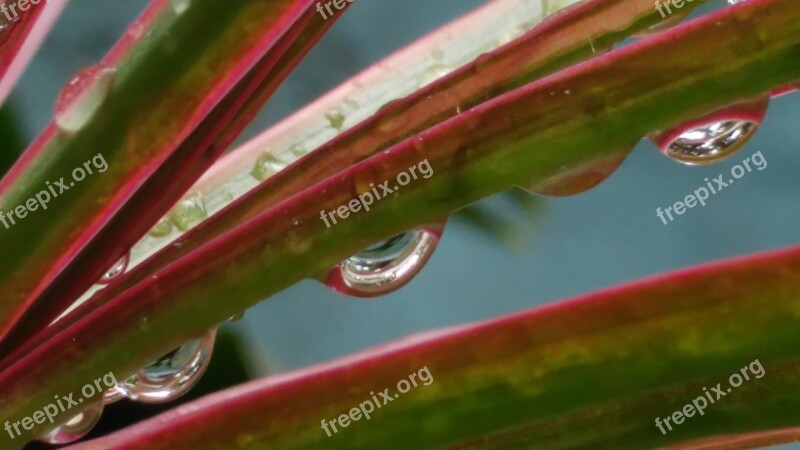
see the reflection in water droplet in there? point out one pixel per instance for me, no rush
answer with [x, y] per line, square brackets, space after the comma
[180, 6]
[172, 375]
[433, 74]
[386, 266]
[189, 212]
[714, 137]
[266, 166]
[336, 118]
[82, 97]
[116, 270]
[76, 427]
[162, 228]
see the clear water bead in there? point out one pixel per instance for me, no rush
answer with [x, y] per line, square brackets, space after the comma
[82, 97]
[385, 266]
[189, 212]
[76, 427]
[713, 137]
[116, 270]
[336, 118]
[180, 6]
[266, 166]
[171, 375]
[162, 228]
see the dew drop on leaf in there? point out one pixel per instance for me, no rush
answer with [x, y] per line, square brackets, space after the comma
[171, 375]
[189, 212]
[266, 166]
[162, 228]
[116, 270]
[76, 427]
[180, 6]
[387, 265]
[82, 97]
[336, 118]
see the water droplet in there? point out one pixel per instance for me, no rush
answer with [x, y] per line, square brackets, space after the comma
[336, 118]
[82, 97]
[189, 212]
[180, 6]
[171, 375]
[714, 137]
[510, 35]
[432, 74]
[298, 151]
[386, 266]
[116, 270]
[76, 427]
[437, 54]
[266, 166]
[573, 180]
[162, 228]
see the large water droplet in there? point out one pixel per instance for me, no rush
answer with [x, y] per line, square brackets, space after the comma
[180, 6]
[189, 212]
[266, 166]
[162, 228]
[116, 270]
[714, 137]
[82, 97]
[76, 427]
[386, 266]
[172, 375]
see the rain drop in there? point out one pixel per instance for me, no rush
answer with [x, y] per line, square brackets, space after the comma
[385, 266]
[189, 212]
[266, 166]
[171, 375]
[116, 270]
[298, 151]
[336, 118]
[82, 97]
[714, 137]
[162, 228]
[180, 6]
[76, 427]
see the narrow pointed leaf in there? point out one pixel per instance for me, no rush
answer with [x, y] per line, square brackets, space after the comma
[592, 372]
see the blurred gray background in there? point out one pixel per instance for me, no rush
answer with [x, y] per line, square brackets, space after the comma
[606, 236]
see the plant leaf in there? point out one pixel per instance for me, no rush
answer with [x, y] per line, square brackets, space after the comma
[156, 144]
[592, 372]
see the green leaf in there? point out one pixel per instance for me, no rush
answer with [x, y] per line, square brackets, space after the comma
[592, 372]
